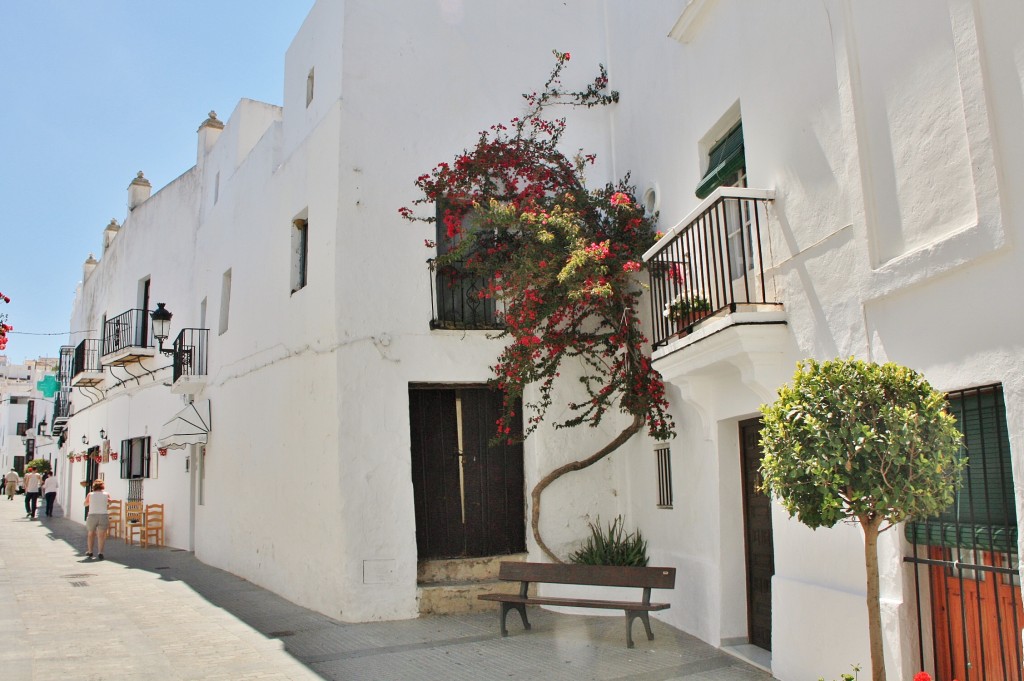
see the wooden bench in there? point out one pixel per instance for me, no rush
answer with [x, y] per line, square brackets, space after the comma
[645, 578]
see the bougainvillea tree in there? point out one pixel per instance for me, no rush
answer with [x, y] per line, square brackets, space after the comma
[515, 212]
[4, 326]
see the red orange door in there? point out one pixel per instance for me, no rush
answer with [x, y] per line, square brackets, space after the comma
[977, 616]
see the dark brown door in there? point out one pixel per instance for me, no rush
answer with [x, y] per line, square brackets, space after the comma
[757, 524]
[469, 496]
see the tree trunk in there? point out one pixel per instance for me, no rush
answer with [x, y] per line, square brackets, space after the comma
[870, 527]
[621, 438]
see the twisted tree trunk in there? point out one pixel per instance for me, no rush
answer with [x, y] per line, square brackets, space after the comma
[620, 439]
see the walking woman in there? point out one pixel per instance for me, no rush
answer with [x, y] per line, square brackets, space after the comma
[97, 522]
[49, 492]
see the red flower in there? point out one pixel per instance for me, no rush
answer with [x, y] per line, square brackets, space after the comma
[620, 199]
[922, 676]
[631, 266]
[568, 56]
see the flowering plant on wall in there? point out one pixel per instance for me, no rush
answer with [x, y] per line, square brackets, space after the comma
[4, 326]
[515, 212]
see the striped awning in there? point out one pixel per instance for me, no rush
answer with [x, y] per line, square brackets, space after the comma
[190, 426]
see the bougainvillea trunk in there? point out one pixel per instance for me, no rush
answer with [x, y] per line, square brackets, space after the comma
[620, 440]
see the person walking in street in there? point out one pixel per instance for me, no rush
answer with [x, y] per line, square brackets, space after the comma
[11, 483]
[98, 521]
[33, 485]
[49, 492]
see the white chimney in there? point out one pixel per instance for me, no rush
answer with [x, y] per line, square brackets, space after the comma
[89, 266]
[109, 232]
[138, 191]
[209, 131]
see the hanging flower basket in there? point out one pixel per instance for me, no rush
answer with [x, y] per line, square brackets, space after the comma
[113, 456]
[78, 457]
[162, 451]
[71, 456]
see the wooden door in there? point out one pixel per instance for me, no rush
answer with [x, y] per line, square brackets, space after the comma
[469, 495]
[977, 616]
[760, 549]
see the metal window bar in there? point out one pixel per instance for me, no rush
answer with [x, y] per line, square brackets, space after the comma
[135, 489]
[457, 300]
[981, 525]
[190, 349]
[715, 256]
[130, 329]
[663, 455]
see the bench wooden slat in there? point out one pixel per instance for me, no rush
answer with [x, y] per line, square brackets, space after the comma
[573, 602]
[593, 575]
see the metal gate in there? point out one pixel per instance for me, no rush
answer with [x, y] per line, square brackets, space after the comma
[966, 570]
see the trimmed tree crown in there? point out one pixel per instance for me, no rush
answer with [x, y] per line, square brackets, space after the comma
[859, 440]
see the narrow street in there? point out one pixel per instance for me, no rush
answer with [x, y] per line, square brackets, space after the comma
[159, 613]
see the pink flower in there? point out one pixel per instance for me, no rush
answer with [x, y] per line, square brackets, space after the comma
[620, 199]
[631, 266]
[922, 676]
[568, 56]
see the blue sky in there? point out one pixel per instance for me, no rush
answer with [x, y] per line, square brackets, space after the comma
[94, 91]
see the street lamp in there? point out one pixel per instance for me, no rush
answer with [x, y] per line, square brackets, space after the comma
[103, 434]
[85, 439]
[162, 326]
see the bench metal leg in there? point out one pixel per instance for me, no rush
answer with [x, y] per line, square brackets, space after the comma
[520, 608]
[644, 617]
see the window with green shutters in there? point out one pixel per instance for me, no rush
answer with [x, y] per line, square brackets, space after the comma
[726, 163]
[983, 516]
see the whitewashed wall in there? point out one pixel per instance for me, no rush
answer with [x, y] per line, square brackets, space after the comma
[888, 135]
[892, 158]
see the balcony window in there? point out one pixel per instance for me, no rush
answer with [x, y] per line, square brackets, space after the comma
[458, 296]
[726, 163]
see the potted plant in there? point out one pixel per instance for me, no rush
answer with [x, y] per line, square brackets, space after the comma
[684, 310]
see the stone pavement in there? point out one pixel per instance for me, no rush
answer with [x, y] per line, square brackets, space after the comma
[160, 614]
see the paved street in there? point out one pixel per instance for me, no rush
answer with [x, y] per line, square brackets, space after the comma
[159, 614]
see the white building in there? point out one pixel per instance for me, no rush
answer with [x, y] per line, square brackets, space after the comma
[25, 413]
[878, 145]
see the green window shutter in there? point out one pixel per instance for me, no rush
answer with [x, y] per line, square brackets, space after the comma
[724, 159]
[983, 516]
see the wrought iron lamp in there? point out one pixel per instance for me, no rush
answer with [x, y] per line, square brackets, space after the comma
[162, 326]
[103, 434]
[85, 439]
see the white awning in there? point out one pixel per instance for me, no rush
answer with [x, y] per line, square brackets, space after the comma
[190, 426]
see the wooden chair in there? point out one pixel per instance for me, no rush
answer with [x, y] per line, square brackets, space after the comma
[116, 526]
[153, 526]
[134, 515]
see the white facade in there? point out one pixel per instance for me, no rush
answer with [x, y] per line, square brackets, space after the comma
[886, 133]
[20, 422]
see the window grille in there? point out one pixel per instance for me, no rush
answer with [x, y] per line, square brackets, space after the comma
[664, 477]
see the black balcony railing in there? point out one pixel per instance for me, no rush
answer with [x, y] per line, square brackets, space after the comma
[87, 357]
[713, 261]
[66, 365]
[61, 405]
[190, 352]
[457, 302]
[130, 329]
